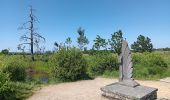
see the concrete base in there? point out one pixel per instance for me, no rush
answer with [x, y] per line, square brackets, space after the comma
[117, 91]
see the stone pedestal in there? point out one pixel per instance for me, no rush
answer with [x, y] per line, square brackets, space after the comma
[118, 91]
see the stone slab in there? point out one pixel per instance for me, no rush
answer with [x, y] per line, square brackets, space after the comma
[117, 91]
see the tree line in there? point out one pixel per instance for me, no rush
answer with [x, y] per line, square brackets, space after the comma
[142, 44]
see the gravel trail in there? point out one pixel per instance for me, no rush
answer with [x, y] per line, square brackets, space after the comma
[90, 90]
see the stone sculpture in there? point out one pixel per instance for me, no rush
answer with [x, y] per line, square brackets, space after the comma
[126, 66]
[127, 88]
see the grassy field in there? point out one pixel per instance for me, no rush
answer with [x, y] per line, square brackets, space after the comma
[147, 66]
[166, 56]
[42, 67]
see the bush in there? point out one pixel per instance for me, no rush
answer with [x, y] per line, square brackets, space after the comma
[149, 65]
[6, 89]
[13, 90]
[68, 64]
[22, 90]
[16, 70]
[102, 62]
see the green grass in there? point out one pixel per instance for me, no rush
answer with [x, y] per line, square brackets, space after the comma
[42, 67]
[141, 71]
[151, 66]
[26, 88]
[166, 56]
[111, 74]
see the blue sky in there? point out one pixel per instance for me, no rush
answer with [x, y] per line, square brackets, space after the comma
[59, 19]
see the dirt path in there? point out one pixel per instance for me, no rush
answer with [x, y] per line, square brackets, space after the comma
[90, 90]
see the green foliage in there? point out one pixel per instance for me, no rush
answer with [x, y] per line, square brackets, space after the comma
[166, 49]
[94, 52]
[82, 39]
[111, 74]
[68, 64]
[143, 44]
[116, 41]
[13, 90]
[6, 89]
[68, 42]
[149, 65]
[5, 51]
[12, 71]
[40, 66]
[102, 62]
[45, 58]
[16, 70]
[161, 49]
[100, 42]
[23, 90]
[16, 90]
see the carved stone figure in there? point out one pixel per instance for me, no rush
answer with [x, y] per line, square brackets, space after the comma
[126, 67]
[127, 88]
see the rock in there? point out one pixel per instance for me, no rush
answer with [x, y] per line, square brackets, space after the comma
[122, 92]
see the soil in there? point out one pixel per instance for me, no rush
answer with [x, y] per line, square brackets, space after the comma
[90, 90]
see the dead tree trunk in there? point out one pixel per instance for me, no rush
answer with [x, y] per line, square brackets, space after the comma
[31, 38]
[31, 34]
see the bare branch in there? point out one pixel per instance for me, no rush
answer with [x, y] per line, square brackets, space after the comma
[24, 43]
[36, 34]
[26, 23]
[25, 37]
[23, 26]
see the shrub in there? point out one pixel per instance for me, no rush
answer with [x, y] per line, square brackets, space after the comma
[102, 62]
[16, 70]
[6, 90]
[68, 64]
[13, 90]
[22, 90]
[148, 65]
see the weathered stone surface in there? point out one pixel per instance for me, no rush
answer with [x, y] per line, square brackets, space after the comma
[121, 92]
[126, 66]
